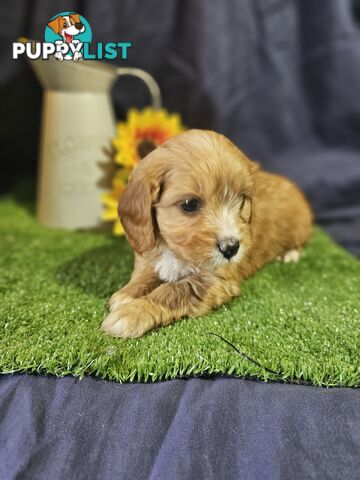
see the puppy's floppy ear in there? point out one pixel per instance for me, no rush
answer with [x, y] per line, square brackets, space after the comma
[135, 208]
[75, 17]
[56, 24]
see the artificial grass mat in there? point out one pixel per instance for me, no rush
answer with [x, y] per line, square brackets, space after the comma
[301, 320]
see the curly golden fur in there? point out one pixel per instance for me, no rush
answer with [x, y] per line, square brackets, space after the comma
[188, 262]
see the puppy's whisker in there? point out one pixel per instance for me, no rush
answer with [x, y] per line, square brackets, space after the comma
[244, 355]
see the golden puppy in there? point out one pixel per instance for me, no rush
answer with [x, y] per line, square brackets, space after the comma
[201, 217]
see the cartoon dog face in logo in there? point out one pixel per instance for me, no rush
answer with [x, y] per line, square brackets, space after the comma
[67, 26]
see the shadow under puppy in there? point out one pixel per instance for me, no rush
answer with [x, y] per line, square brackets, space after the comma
[201, 217]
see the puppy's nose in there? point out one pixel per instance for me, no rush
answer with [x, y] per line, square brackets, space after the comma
[229, 247]
[79, 26]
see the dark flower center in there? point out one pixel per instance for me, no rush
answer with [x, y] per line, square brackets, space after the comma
[144, 147]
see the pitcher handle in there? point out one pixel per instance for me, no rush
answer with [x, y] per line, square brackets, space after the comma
[149, 81]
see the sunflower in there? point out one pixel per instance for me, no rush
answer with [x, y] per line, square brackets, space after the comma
[141, 133]
[110, 200]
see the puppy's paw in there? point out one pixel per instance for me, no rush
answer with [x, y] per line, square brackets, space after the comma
[129, 320]
[59, 56]
[117, 299]
[77, 56]
[292, 256]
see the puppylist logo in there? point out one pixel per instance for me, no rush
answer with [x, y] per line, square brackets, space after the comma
[68, 36]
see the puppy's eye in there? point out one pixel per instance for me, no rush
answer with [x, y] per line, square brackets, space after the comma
[190, 205]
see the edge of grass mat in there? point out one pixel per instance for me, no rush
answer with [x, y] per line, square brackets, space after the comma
[300, 322]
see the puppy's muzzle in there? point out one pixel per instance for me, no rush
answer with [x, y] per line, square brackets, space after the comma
[228, 247]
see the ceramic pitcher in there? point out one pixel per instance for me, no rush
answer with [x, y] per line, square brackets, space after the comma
[78, 122]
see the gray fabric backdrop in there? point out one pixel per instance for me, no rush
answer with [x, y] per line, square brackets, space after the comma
[184, 429]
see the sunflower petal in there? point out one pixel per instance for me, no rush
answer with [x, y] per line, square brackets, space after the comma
[118, 228]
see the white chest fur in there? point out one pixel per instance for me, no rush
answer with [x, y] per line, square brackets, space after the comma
[171, 269]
